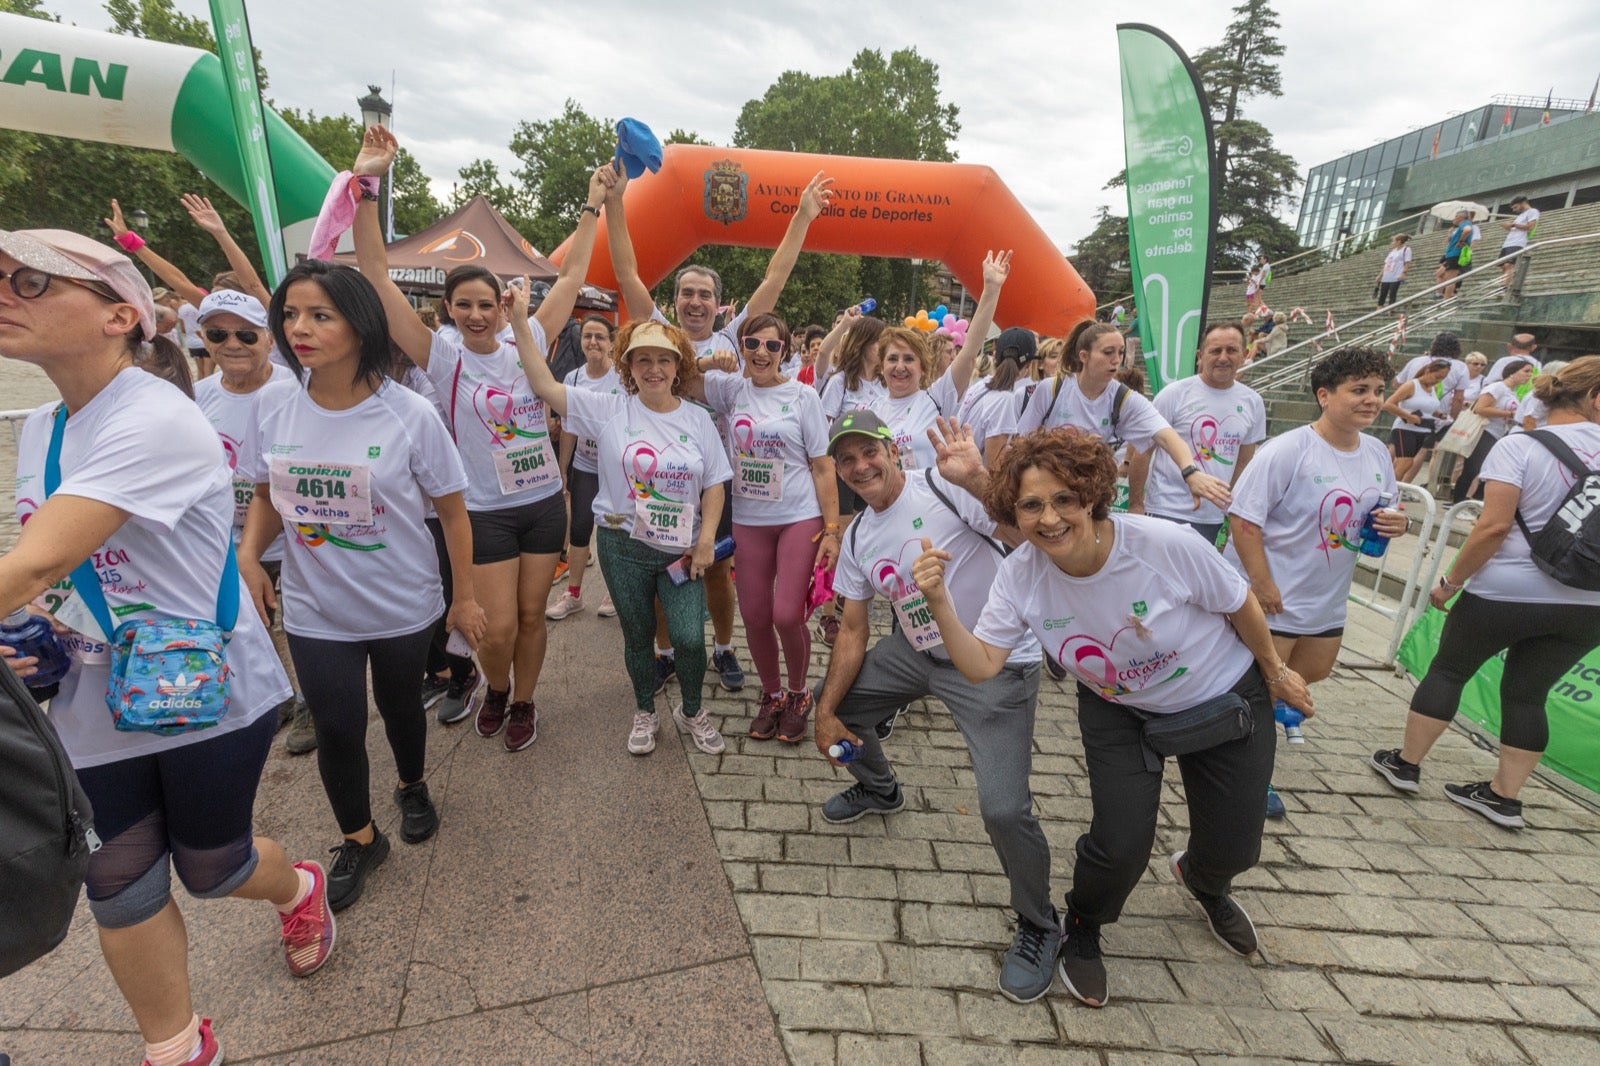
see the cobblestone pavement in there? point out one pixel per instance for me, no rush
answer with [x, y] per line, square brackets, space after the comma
[1393, 929]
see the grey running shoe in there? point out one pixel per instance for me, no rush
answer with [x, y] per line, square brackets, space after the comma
[303, 733]
[1029, 967]
[858, 801]
[461, 699]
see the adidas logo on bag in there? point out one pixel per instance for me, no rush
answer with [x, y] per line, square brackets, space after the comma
[179, 693]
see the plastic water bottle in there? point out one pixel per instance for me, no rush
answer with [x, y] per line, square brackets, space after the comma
[679, 571]
[867, 306]
[32, 635]
[1373, 543]
[844, 751]
[1290, 718]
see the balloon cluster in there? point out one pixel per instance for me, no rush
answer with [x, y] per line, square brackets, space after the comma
[940, 320]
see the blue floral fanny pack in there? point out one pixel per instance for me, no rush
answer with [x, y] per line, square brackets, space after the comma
[168, 675]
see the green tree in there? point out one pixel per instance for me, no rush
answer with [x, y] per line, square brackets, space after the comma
[481, 177]
[158, 20]
[557, 156]
[1101, 258]
[1253, 176]
[337, 138]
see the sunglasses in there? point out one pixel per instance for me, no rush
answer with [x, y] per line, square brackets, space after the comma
[755, 344]
[247, 337]
[30, 284]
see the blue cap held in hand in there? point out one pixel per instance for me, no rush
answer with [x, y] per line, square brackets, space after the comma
[638, 148]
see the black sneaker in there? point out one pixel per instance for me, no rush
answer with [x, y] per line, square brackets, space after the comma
[461, 698]
[730, 673]
[885, 729]
[666, 670]
[1082, 969]
[352, 862]
[1229, 923]
[434, 689]
[1406, 776]
[1483, 799]
[419, 818]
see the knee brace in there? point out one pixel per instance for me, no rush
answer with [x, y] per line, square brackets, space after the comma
[140, 901]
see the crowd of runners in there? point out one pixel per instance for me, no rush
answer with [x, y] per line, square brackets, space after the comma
[405, 495]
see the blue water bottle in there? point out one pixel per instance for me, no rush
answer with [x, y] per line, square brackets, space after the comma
[679, 571]
[1373, 543]
[1290, 718]
[32, 635]
[844, 751]
[867, 306]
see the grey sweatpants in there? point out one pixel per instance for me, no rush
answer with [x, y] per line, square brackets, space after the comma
[996, 718]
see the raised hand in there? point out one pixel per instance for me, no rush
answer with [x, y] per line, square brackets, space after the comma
[378, 148]
[928, 571]
[600, 183]
[115, 223]
[960, 462]
[996, 268]
[205, 216]
[618, 187]
[817, 196]
[516, 299]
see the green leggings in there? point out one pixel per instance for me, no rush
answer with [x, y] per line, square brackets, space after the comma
[636, 576]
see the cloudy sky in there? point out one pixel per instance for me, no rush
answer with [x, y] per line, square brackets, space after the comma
[1036, 82]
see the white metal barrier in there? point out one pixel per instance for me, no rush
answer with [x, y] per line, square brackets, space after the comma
[1401, 612]
[14, 419]
[1466, 508]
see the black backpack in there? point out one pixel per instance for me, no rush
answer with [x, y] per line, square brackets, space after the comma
[44, 830]
[567, 355]
[1568, 547]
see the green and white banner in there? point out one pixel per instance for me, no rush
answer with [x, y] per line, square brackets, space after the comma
[1167, 137]
[1573, 706]
[232, 28]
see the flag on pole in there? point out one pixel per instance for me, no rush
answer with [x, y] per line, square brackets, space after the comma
[1592, 93]
[1435, 153]
[1546, 120]
[1505, 123]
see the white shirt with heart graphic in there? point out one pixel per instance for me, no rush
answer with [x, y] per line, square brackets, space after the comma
[1216, 423]
[1147, 630]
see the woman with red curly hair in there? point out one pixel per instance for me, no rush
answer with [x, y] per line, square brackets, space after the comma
[662, 465]
[1172, 657]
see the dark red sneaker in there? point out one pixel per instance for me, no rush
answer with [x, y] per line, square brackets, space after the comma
[210, 1050]
[522, 725]
[829, 627]
[765, 726]
[492, 715]
[796, 709]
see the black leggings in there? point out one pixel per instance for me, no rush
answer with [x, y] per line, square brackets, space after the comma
[1542, 641]
[440, 660]
[1470, 467]
[333, 676]
[584, 487]
[1387, 291]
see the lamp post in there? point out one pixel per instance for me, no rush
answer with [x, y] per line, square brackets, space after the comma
[911, 305]
[376, 111]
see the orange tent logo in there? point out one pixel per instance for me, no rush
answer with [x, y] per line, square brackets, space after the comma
[457, 241]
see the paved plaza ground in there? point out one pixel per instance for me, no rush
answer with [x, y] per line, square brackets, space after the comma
[581, 905]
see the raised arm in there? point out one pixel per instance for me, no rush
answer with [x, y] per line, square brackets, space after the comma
[636, 298]
[378, 148]
[996, 268]
[544, 383]
[206, 217]
[563, 296]
[813, 201]
[830, 344]
[175, 279]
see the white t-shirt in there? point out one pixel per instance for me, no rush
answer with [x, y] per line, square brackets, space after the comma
[140, 445]
[881, 547]
[649, 457]
[1395, 263]
[1471, 391]
[376, 574]
[1137, 425]
[773, 434]
[1454, 381]
[1518, 238]
[837, 399]
[500, 426]
[1534, 408]
[1147, 631]
[1504, 397]
[233, 416]
[909, 418]
[1511, 574]
[725, 339]
[1310, 500]
[585, 450]
[189, 316]
[1216, 424]
[1498, 370]
[989, 413]
[1422, 401]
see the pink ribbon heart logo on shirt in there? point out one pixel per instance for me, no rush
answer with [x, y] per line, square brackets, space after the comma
[499, 404]
[639, 464]
[1203, 433]
[1339, 517]
[743, 429]
[886, 573]
[1091, 661]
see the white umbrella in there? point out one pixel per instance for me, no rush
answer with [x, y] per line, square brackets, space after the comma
[1447, 210]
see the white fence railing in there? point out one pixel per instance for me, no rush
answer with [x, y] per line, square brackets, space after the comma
[1401, 611]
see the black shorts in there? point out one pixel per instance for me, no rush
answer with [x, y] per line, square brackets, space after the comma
[1337, 631]
[1450, 262]
[199, 353]
[1408, 442]
[1515, 251]
[538, 528]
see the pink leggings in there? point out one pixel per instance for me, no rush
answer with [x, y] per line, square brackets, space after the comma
[772, 572]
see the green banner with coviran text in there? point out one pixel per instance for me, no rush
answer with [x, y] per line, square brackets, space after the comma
[1167, 136]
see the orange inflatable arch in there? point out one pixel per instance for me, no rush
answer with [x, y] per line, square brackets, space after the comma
[897, 208]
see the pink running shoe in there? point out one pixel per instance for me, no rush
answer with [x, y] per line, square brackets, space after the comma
[308, 930]
[210, 1051]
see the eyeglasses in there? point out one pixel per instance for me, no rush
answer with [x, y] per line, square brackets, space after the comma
[30, 284]
[247, 337]
[1060, 503]
[755, 344]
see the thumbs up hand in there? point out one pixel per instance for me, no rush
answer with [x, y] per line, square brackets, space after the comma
[928, 571]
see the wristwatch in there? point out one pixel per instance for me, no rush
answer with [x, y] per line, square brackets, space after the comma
[591, 209]
[1186, 471]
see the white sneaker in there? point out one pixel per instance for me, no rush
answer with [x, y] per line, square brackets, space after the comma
[566, 604]
[706, 737]
[642, 741]
[607, 609]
